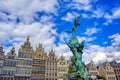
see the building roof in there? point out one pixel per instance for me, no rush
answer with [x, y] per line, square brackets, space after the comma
[26, 47]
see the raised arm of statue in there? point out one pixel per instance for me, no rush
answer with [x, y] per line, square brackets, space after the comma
[76, 22]
[73, 29]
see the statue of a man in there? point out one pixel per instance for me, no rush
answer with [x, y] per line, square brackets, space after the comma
[76, 23]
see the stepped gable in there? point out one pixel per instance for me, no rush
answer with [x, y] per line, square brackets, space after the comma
[90, 64]
[40, 48]
[100, 66]
[106, 64]
[51, 52]
[40, 53]
[113, 63]
[52, 55]
[62, 58]
[26, 47]
[12, 51]
[11, 54]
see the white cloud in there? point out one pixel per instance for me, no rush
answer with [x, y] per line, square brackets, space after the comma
[91, 31]
[81, 5]
[111, 17]
[42, 31]
[98, 53]
[116, 13]
[86, 39]
[70, 16]
[84, 15]
[63, 49]
[64, 37]
[25, 9]
[94, 13]
[105, 42]
[89, 11]
[98, 13]
[85, 2]
[39, 32]
[116, 39]
[100, 57]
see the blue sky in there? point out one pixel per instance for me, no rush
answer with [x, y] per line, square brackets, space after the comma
[46, 21]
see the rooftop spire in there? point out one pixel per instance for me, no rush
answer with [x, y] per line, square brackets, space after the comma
[28, 37]
[52, 52]
[62, 57]
[27, 42]
[40, 48]
[40, 45]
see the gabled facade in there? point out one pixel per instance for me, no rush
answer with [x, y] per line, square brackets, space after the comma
[2, 56]
[106, 71]
[116, 67]
[24, 64]
[101, 70]
[110, 75]
[62, 66]
[51, 66]
[92, 70]
[9, 65]
[38, 65]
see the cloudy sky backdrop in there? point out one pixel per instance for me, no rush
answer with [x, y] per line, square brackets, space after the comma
[46, 21]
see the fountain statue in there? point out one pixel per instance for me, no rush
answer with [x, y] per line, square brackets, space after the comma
[78, 68]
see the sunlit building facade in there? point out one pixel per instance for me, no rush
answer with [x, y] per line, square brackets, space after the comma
[38, 65]
[116, 67]
[2, 56]
[101, 70]
[9, 65]
[110, 75]
[24, 64]
[106, 71]
[51, 66]
[92, 70]
[62, 66]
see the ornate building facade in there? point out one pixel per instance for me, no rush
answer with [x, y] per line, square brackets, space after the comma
[107, 71]
[9, 65]
[24, 64]
[116, 67]
[92, 70]
[101, 70]
[62, 66]
[2, 56]
[38, 65]
[51, 66]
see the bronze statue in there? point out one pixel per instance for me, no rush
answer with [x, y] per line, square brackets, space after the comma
[78, 67]
[76, 23]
